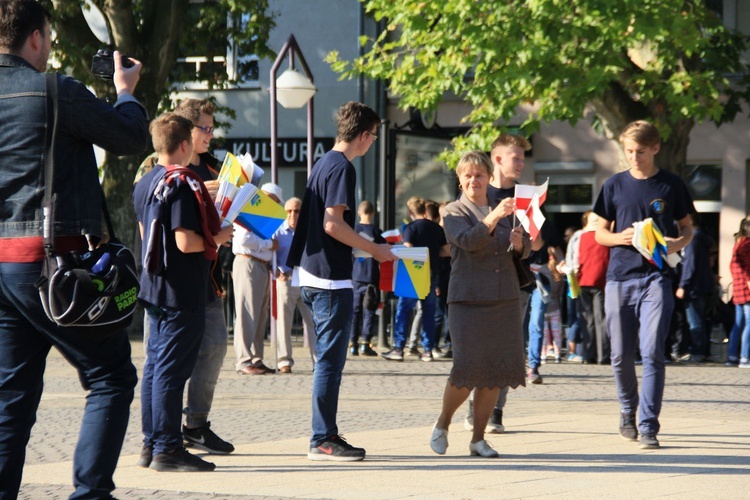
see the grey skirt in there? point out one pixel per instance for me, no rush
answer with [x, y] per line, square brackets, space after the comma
[487, 342]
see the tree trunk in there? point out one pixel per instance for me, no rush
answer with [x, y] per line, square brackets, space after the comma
[673, 153]
[616, 109]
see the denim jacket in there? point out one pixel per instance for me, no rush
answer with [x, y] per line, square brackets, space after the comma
[82, 120]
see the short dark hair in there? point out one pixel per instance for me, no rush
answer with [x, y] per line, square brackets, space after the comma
[193, 108]
[432, 210]
[366, 207]
[168, 131]
[353, 119]
[18, 20]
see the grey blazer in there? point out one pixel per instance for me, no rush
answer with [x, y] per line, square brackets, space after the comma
[481, 267]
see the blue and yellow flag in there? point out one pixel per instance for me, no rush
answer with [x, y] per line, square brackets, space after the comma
[260, 214]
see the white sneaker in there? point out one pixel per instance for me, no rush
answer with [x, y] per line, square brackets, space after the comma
[439, 440]
[483, 449]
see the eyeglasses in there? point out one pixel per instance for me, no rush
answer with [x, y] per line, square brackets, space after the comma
[293, 211]
[374, 137]
[206, 130]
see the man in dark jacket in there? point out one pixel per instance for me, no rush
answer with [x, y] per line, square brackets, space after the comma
[26, 335]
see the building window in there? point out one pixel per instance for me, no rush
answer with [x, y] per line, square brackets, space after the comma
[704, 183]
[568, 192]
[223, 63]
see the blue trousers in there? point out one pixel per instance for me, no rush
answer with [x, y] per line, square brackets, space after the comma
[537, 308]
[364, 320]
[638, 314]
[740, 335]
[332, 316]
[173, 344]
[104, 369]
[700, 331]
[403, 315]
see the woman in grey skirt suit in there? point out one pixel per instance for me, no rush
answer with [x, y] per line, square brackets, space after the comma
[485, 314]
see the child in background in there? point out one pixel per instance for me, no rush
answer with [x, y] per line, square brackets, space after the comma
[365, 280]
[552, 318]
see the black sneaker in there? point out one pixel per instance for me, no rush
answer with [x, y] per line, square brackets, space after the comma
[336, 449]
[146, 453]
[393, 355]
[353, 350]
[648, 442]
[367, 350]
[205, 439]
[627, 427]
[495, 425]
[180, 460]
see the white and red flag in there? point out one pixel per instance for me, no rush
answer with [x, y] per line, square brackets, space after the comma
[392, 236]
[533, 218]
[525, 192]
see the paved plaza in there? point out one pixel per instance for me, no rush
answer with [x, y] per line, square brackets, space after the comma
[561, 439]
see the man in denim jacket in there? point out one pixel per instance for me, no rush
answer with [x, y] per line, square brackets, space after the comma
[26, 335]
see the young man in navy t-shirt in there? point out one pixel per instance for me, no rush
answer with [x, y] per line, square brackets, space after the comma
[321, 256]
[638, 297]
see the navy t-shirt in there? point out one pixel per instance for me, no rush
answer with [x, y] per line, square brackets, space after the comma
[499, 194]
[184, 282]
[331, 184]
[367, 270]
[426, 233]
[624, 200]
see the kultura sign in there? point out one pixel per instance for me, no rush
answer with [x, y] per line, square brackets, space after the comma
[291, 152]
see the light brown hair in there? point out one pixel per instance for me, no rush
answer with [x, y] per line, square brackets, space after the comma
[168, 131]
[192, 109]
[642, 132]
[477, 158]
[511, 140]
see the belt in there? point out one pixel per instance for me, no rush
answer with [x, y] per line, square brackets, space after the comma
[253, 257]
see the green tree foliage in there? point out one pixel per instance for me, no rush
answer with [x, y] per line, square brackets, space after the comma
[156, 32]
[668, 61]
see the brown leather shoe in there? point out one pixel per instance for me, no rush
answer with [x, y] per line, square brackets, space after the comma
[264, 368]
[285, 369]
[252, 370]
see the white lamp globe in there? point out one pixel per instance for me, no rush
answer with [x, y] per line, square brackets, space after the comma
[293, 89]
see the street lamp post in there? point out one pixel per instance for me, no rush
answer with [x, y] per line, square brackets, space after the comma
[292, 90]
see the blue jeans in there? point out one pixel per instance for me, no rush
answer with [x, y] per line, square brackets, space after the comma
[700, 331]
[332, 315]
[173, 344]
[536, 328]
[403, 316]
[740, 333]
[639, 310]
[104, 369]
[213, 350]
[363, 320]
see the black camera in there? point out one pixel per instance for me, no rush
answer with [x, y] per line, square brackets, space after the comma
[103, 63]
